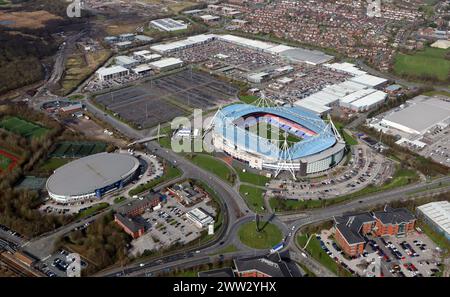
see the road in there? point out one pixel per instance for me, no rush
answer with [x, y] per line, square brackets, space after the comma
[285, 223]
[238, 212]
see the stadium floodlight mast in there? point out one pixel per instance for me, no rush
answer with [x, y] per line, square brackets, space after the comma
[264, 101]
[285, 159]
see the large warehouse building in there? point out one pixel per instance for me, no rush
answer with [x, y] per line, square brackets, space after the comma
[437, 214]
[314, 145]
[419, 115]
[91, 176]
[169, 25]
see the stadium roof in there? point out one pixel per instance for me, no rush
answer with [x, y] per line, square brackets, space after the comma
[323, 140]
[439, 213]
[91, 173]
[422, 114]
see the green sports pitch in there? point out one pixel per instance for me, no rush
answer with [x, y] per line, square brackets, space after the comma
[273, 133]
[22, 127]
[431, 63]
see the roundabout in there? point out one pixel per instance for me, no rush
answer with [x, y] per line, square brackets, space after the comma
[268, 236]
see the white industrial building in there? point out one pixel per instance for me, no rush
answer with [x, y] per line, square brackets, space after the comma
[257, 77]
[437, 214]
[169, 25]
[107, 73]
[191, 41]
[126, 61]
[358, 93]
[146, 56]
[199, 217]
[166, 64]
[419, 115]
[289, 52]
[142, 69]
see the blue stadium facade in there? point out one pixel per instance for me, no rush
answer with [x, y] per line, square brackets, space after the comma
[315, 153]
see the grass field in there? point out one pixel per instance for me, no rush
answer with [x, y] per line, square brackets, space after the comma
[4, 162]
[119, 200]
[439, 239]
[350, 140]
[266, 238]
[317, 253]
[252, 178]
[254, 197]
[213, 165]
[91, 210]
[79, 66]
[22, 127]
[274, 133]
[77, 149]
[7, 161]
[53, 163]
[427, 64]
[249, 99]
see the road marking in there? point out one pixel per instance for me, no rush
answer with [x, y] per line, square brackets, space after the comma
[46, 258]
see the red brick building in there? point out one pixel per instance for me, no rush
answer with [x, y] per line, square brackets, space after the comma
[396, 222]
[350, 229]
[129, 225]
[138, 206]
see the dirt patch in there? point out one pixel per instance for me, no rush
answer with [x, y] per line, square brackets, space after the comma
[33, 19]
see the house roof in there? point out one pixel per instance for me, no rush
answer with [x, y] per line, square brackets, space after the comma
[131, 224]
[350, 226]
[271, 265]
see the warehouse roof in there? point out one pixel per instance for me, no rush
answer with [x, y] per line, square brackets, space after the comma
[125, 60]
[308, 56]
[85, 175]
[111, 70]
[438, 212]
[369, 80]
[346, 67]
[166, 62]
[371, 99]
[422, 113]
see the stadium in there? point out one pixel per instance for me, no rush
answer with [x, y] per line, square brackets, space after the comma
[308, 144]
[91, 176]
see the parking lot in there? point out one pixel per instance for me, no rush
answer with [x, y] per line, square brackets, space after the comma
[56, 265]
[162, 99]
[168, 226]
[364, 168]
[438, 147]
[412, 256]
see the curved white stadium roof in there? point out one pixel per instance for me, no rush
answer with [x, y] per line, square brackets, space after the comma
[88, 174]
